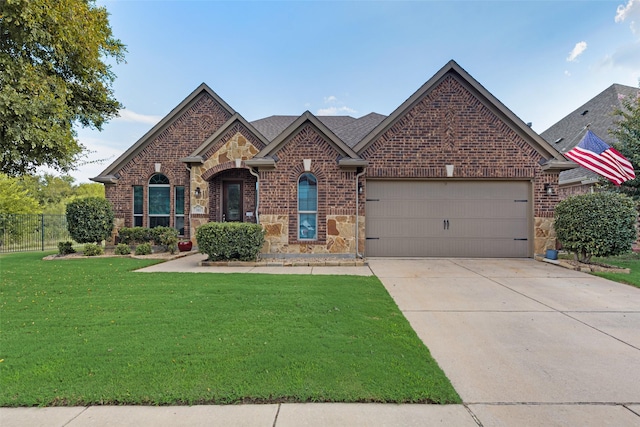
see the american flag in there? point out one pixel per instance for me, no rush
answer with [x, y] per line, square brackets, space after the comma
[594, 154]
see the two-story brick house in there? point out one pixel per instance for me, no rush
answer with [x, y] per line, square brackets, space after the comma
[450, 172]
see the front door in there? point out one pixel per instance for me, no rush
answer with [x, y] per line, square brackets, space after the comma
[232, 201]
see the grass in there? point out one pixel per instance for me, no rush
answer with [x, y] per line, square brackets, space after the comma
[630, 261]
[91, 332]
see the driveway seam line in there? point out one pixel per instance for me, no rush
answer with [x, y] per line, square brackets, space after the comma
[602, 332]
[79, 413]
[565, 313]
[475, 418]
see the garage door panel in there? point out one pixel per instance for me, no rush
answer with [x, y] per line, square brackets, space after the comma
[431, 218]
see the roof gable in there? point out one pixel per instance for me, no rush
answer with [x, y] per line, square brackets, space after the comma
[108, 174]
[234, 120]
[294, 127]
[482, 94]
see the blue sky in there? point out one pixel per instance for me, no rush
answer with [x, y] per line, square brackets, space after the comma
[542, 59]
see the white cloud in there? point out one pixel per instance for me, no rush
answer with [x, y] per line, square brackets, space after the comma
[335, 111]
[623, 12]
[579, 48]
[629, 11]
[625, 56]
[567, 73]
[133, 117]
[330, 99]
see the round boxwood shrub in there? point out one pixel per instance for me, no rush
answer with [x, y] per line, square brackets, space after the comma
[65, 248]
[122, 249]
[90, 220]
[143, 249]
[230, 240]
[92, 249]
[596, 224]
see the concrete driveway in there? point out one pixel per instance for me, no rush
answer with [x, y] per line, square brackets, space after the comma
[522, 339]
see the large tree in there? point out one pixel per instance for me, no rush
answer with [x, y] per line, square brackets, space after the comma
[54, 74]
[627, 134]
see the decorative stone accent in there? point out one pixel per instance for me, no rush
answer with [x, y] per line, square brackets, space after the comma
[340, 236]
[118, 223]
[236, 148]
[545, 235]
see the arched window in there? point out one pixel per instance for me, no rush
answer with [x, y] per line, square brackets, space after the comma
[159, 204]
[159, 201]
[307, 207]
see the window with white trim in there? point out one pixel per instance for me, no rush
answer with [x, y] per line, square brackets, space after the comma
[159, 201]
[179, 210]
[138, 203]
[307, 207]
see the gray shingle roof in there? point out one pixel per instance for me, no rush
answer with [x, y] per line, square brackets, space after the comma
[347, 128]
[598, 114]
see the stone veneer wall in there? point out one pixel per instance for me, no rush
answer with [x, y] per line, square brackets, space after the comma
[545, 235]
[220, 158]
[340, 236]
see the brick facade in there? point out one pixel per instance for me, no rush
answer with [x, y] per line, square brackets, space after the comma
[199, 120]
[451, 120]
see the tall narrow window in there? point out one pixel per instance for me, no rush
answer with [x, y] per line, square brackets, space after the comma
[179, 220]
[159, 201]
[307, 207]
[138, 202]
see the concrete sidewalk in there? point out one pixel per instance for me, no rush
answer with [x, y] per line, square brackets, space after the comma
[524, 343]
[191, 264]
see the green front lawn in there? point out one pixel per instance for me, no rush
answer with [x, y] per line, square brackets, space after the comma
[630, 261]
[91, 331]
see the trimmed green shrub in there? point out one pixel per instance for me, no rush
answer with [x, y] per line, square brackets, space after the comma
[230, 240]
[65, 248]
[143, 249]
[135, 235]
[166, 237]
[596, 224]
[122, 249]
[92, 249]
[89, 220]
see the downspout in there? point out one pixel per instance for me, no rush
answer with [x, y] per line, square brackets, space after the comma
[252, 172]
[358, 254]
[188, 166]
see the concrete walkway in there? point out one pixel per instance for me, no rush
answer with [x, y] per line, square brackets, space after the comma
[524, 344]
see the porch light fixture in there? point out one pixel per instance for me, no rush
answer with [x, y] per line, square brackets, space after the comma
[548, 189]
[360, 188]
[197, 192]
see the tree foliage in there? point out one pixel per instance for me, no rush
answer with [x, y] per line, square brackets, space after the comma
[90, 220]
[53, 74]
[596, 224]
[627, 134]
[15, 199]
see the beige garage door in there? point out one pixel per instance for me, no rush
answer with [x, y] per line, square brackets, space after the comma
[448, 219]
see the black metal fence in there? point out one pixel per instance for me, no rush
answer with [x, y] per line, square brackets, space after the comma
[24, 233]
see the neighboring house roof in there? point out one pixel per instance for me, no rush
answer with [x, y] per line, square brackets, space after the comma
[598, 113]
[108, 175]
[555, 160]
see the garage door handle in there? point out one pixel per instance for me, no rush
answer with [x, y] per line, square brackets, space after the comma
[446, 224]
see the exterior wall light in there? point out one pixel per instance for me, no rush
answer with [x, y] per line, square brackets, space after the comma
[197, 192]
[548, 189]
